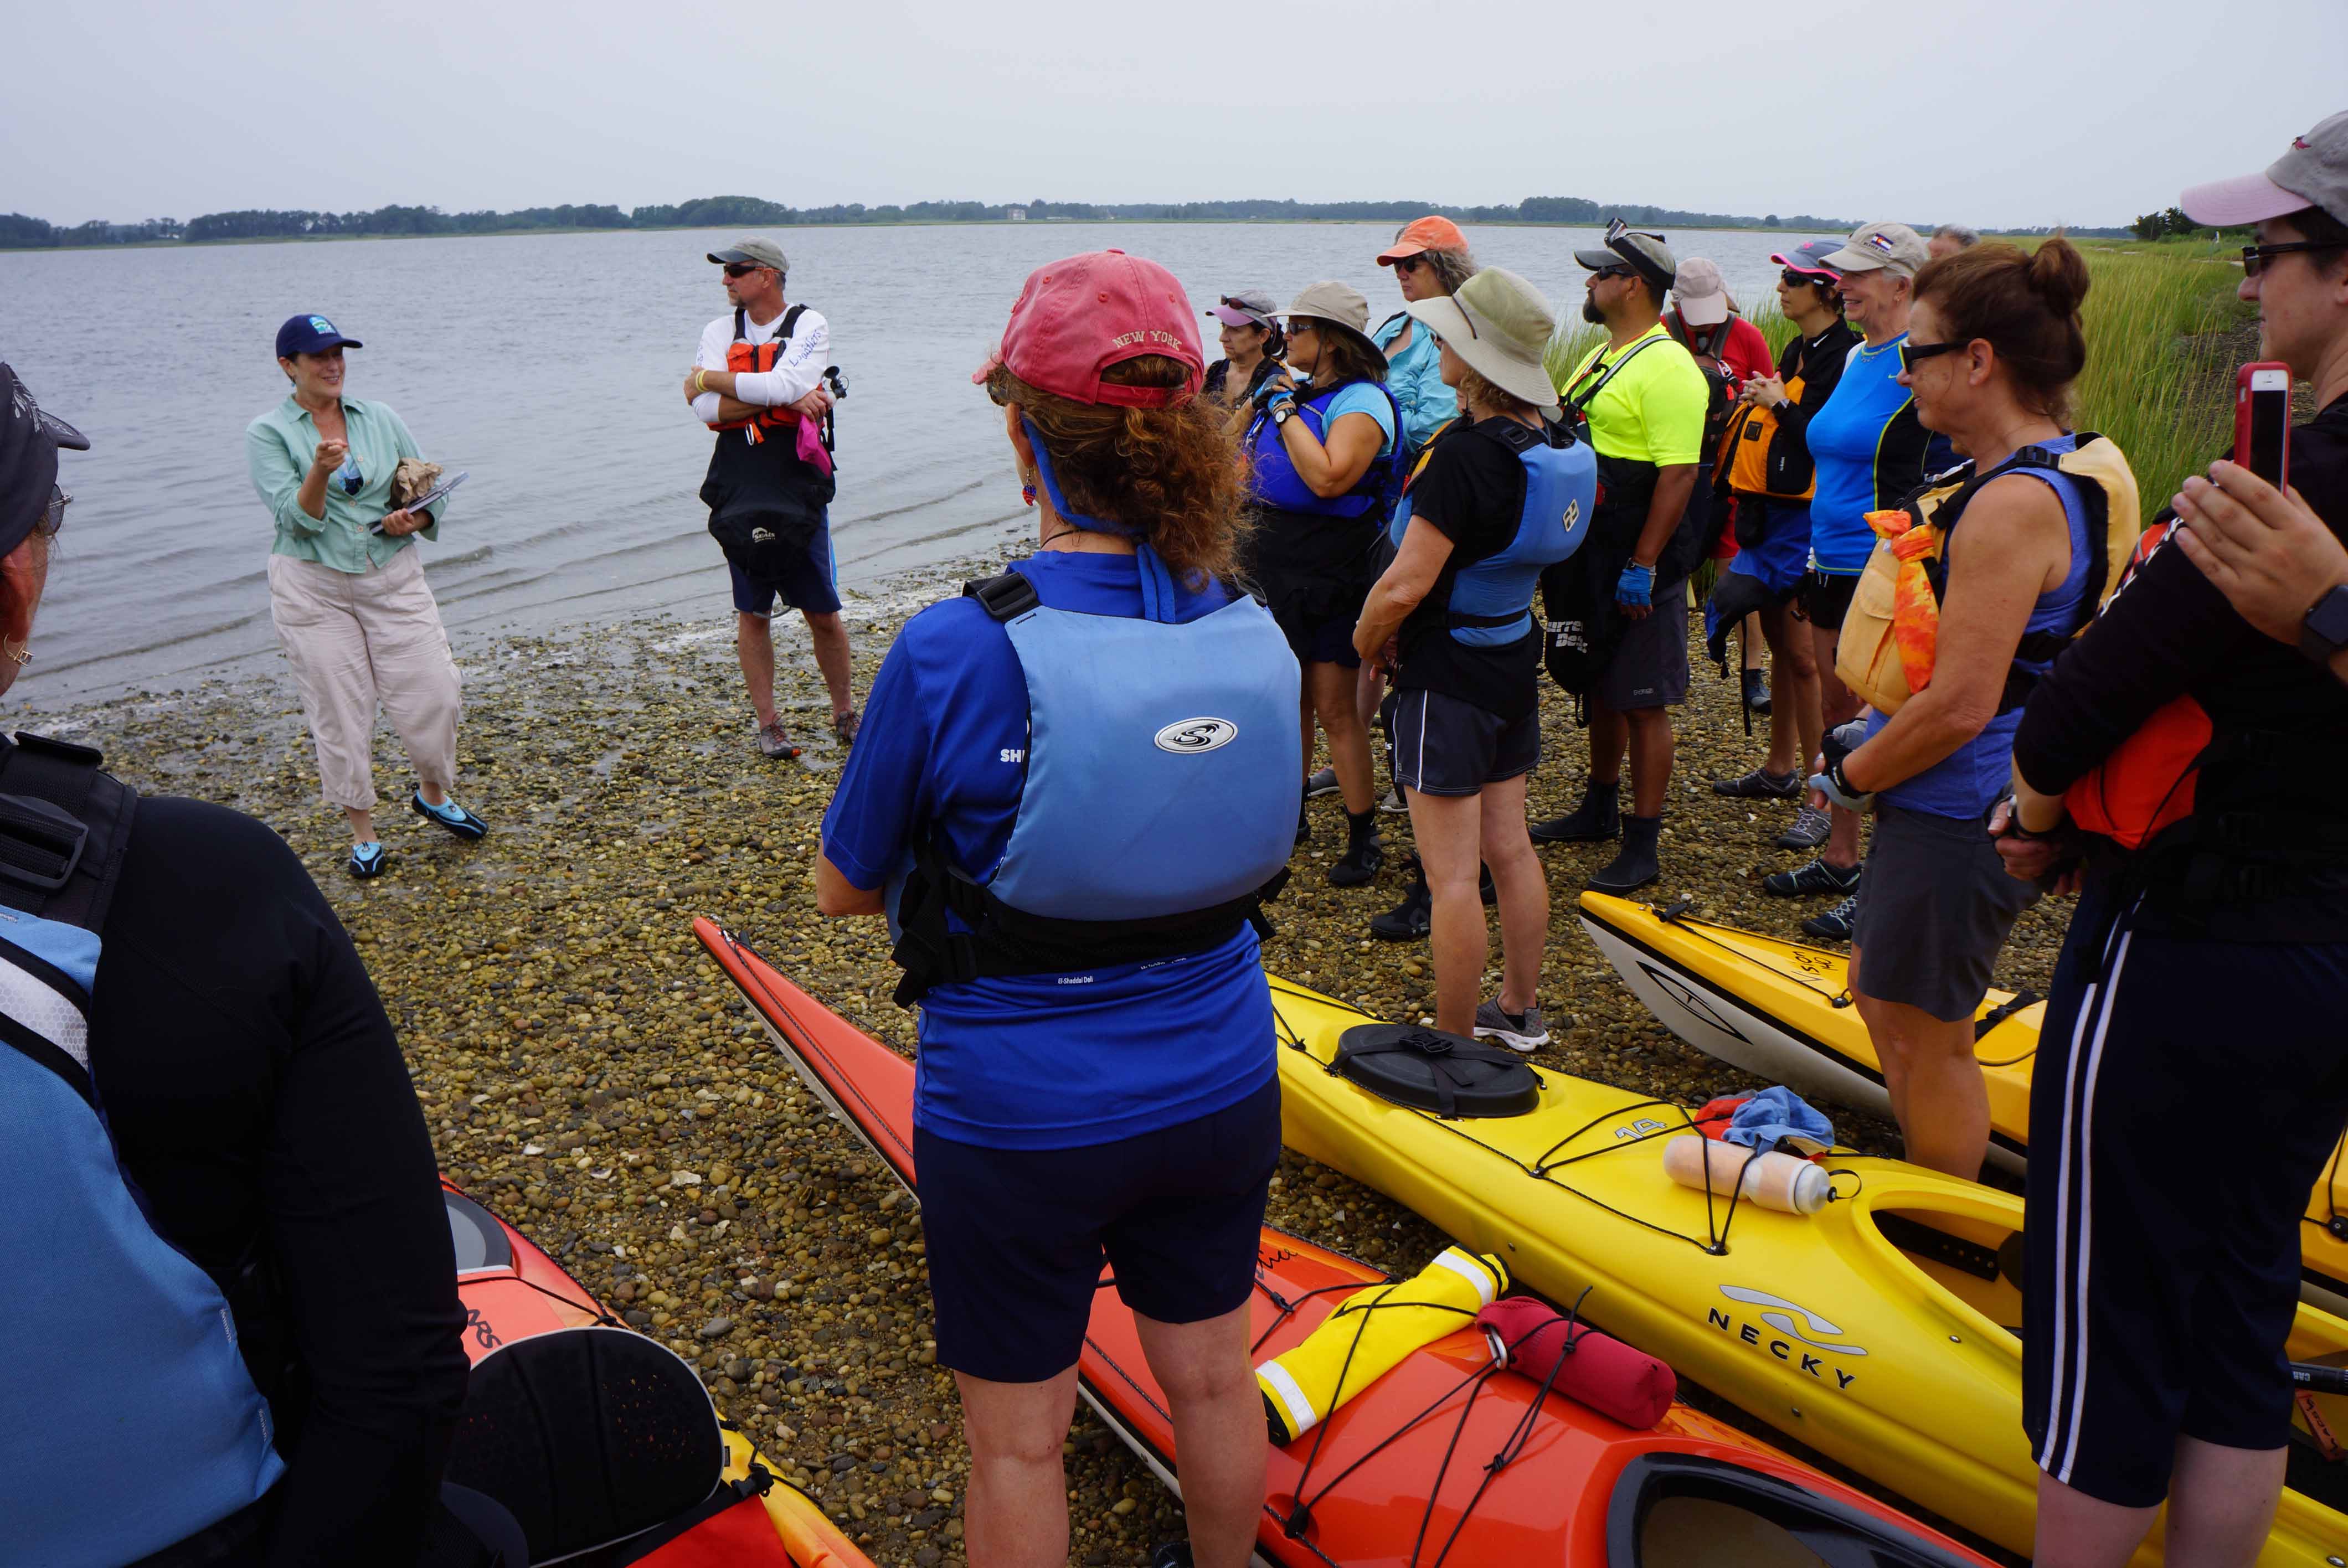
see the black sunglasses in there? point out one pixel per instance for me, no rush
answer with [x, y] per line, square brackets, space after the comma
[1910, 352]
[1794, 280]
[1617, 270]
[1408, 264]
[742, 269]
[52, 515]
[2255, 256]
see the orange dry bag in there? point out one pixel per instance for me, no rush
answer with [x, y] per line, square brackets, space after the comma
[2147, 782]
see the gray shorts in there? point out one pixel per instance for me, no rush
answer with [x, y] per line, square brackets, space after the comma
[1934, 907]
[1650, 669]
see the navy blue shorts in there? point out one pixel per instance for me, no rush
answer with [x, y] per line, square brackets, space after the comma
[1017, 1237]
[2186, 1097]
[811, 582]
[1438, 745]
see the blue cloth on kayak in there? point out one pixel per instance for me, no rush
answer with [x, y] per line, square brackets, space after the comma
[1774, 1114]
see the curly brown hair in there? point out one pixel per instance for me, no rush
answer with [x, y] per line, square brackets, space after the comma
[1169, 475]
[1489, 397]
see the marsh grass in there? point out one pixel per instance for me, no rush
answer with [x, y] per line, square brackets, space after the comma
[2164, 334]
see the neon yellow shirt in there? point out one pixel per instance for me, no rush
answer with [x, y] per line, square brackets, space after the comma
[1653, 412]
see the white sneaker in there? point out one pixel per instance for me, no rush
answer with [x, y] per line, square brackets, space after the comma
[1524, 1031]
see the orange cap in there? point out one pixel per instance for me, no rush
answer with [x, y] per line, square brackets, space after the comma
[1428, 233]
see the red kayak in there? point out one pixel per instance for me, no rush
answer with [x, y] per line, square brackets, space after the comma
[512, 1292]
[1442, 1460]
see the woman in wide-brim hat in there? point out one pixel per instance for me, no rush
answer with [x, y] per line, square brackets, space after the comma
[1500, 495]
[1322, 464]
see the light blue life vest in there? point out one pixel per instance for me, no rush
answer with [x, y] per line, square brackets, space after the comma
[1490, 600]
[1159, 799]
[127, 1420]
[1278, 486]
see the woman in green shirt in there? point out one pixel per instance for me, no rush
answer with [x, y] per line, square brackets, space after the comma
[346, 588]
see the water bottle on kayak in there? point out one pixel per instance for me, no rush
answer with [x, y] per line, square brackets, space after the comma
[1775, 1181]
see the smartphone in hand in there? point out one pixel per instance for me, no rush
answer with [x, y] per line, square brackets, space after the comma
[2262, 418]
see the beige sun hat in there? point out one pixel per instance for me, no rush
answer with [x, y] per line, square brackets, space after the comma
[1499, 325]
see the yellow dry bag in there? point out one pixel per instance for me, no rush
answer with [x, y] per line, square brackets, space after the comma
[1366, 1336]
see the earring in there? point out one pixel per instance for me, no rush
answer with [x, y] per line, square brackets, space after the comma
[1027, 486]
[23, 656]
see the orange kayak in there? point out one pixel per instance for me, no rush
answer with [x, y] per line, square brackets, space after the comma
[1444, 1459]
[511, 1290]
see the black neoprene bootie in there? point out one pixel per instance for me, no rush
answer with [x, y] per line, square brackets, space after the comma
[1595, 821]
[1639, 863]
[1410, 920]
[1365, 851]
[1304, 821]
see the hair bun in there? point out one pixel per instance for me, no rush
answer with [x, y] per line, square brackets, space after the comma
[2058, 276]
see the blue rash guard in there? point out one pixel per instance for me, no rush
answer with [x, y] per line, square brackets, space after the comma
[1870, 452]
[1034, 1062]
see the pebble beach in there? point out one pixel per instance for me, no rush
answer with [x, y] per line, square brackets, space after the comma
[589, 1074]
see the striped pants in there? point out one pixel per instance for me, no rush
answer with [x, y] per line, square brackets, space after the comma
[2186, 1095]
[360, 641]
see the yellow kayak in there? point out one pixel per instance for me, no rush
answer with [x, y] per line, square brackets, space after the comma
[1782, 1011]
[1876, 1330]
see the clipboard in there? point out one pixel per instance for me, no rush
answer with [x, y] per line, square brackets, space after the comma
[431, 498]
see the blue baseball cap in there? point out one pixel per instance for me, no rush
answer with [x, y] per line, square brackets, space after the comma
[1811, 258]
[308, 333]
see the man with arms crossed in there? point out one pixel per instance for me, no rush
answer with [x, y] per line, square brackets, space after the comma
[758, 373]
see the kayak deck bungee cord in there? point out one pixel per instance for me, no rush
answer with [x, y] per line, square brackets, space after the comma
[1445, 1459]
[512, 1291]
[1782, 1011]
[1876, 1330]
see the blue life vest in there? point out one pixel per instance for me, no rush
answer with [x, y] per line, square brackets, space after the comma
[1278, 486]
[126, 1363]
[1157, 808]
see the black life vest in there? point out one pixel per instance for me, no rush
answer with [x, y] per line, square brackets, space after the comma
[765, 502]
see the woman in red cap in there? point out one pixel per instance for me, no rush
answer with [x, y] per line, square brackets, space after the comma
[1074, 785]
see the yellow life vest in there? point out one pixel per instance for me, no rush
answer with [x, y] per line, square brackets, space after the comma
[1747, 445]
[1892, 631]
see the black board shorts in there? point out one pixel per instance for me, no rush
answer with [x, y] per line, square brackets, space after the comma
[2186, 1095]
[1016, 1237]
[1649, 667]
[1935, 904]
[1438, 745]
[1826, 598]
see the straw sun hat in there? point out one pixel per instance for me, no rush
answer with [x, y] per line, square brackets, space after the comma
[1498, 324]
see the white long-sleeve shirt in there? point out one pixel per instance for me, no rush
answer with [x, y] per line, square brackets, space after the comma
[798, 369]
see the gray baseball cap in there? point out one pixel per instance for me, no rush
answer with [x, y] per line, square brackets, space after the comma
[1645, 254]
[1244, 307]
[1894, 248]
[2314, 172]
[757, 252]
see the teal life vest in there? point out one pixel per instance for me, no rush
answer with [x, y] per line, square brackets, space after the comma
[127, 1420]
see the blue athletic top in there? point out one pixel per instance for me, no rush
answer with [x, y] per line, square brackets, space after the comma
[1364, 397]
[1969, 781]
[1034, 1062]
[1845, 437]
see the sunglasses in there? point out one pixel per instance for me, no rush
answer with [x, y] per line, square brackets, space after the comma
[2255, 256]
[52, 515]
[1302, 325]
[1408, 264]
[1617, 270]
[349, 478]
[1910, 352]
[742, 269]
[1794, 280]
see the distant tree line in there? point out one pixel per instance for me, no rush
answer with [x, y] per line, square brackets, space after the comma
[2163, 225]
[18, 232]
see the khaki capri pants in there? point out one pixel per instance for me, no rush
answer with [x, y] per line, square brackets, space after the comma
[360, 641]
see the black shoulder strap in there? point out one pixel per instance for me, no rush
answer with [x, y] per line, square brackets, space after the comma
[1005, 596]
[741, 323]
[1583, 399]
[790, 324]
[63, 826]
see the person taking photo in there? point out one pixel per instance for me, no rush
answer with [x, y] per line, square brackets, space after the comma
[757, 380]
[1075, 789]
[2158, 1373]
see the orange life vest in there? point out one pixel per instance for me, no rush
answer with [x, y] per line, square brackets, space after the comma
[2148, 781]
[743, 356]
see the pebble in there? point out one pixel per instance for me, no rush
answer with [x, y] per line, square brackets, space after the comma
[582, 1066]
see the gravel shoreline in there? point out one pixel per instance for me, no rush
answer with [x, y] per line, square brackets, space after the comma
[589, 1074]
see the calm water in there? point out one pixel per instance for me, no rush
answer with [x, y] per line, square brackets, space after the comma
[549, 365]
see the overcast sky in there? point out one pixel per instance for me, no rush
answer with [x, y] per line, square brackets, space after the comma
[1997, 112]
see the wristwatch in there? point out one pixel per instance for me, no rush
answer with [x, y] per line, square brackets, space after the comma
[1283, 412]
[2324, 632]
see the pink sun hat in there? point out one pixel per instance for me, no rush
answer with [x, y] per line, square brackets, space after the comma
[2312, 172]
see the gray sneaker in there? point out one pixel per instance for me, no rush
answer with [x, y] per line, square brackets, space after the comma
[1321, 783]
[1808, 832]
[1394, 801]
[775, 746]
[1524, 1031]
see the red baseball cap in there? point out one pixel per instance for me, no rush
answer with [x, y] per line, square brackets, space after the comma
[1079, 315]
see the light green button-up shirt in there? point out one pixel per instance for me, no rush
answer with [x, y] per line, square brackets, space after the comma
[278, 447]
